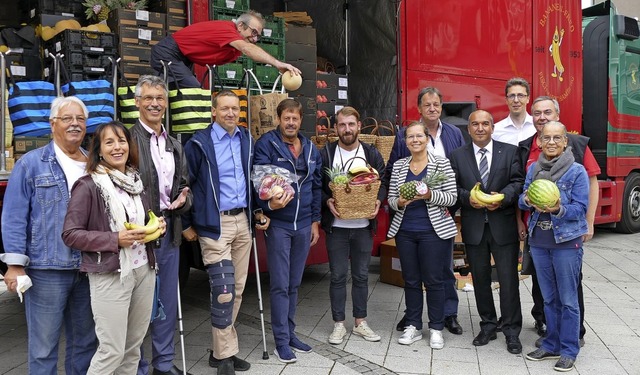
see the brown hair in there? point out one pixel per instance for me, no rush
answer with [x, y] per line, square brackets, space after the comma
[289, 105]
[222, 93]
[348, 111]
[96, 141]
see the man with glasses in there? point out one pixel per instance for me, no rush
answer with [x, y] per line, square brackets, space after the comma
[213, 43]
[544, 110]
[39, 190]
[518, 126]
[164, 174]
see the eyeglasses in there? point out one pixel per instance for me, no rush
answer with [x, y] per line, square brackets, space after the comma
[548, 138]
[513, 97]
[254, 32]
[69, 119]
[416, 136]
[150, 99]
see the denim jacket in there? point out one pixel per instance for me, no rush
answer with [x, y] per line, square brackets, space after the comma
[571, 221]
[35, 205]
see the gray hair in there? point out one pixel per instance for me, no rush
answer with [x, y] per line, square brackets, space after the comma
[152, 81]
[245, 18]
[63, 101]
[431, 91]
[556, 123]
[517, 81]
[543, 98]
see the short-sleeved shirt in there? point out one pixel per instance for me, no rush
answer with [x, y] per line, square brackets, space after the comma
[207, 42]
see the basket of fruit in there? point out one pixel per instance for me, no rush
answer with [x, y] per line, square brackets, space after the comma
[354, 192]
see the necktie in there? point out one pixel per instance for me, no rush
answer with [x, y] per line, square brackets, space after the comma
[484, 167]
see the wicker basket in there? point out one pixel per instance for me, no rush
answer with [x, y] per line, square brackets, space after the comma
[321, 139]
[386, 138]
[367, 132]
[355, 201]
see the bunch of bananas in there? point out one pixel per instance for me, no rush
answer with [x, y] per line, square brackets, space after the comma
[483, 198]
[151, 229]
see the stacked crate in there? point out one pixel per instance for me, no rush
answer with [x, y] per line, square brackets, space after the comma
[272, 41]
[331, 92]
[300, 49]
[87, 55]
[176, 11]
[228, 10]
[138, 31]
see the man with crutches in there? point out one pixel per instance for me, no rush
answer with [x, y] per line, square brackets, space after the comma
[220, 163]
[163, 169]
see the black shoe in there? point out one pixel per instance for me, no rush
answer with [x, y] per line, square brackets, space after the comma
[499, 326]
[401, 324]
[513, 345]
[564, 364]
[451, 322]
[581, 342]
[238, 364]
[173, 371]
[539, 341]
[540, 327]
[541, 354]
[226, 367]
[483, 338]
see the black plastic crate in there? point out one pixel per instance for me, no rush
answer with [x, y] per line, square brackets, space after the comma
[80, 40]
[56, 7]
[80, 60]
[88, 75]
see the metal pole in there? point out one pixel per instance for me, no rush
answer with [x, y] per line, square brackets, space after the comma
[114, 82]
[346, 37]
[181, 330]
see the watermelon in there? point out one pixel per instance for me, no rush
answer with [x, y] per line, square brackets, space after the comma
[543, 193]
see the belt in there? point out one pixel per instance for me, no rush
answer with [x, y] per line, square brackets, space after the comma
[233, 212]
[545, 224]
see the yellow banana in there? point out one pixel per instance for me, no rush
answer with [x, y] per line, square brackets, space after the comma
[485, 198]
[357, 170]
[152, 236]
[149, 228]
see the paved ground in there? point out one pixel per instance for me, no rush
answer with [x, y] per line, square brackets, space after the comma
[612, 299]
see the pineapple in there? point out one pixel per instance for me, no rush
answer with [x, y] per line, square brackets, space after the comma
[436, 178]
[336, 175]
[410, 189]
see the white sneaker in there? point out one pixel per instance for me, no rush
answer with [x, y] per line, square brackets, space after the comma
[337, 336]
[364, 331]
[436, 341]
[410, 335]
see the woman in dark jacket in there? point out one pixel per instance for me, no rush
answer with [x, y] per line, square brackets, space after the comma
[119, 264]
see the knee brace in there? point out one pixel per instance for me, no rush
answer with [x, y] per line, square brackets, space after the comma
[222, 283]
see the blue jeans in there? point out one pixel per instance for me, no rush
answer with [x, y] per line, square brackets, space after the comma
[423, 257]
[287, 252]
[57, 298]
[342, 244]
[558, 272]
[162, 331]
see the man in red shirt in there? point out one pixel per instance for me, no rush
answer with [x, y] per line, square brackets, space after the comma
[213, 43]
[546, 109]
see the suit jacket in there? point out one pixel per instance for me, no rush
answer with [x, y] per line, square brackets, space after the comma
[505, 176]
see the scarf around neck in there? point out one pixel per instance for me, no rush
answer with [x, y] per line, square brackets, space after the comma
[107, 180]
[553, 169]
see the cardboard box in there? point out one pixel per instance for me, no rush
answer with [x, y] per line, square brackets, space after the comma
[296, 51]
[140, 35]
[178, 7]
[8, 152]
[26, 144]
[136, 18]
[390, 269]
[9, 163]
[135, 53]
[300, 35]
[461, 280]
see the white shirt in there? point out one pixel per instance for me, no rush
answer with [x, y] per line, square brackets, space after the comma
[72, 169]
[343, 159]
[506, 131]
[435, 146]
[476, 152]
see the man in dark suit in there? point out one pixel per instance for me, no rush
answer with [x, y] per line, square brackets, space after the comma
[489, 229]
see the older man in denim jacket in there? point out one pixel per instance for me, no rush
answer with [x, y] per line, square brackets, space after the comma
[39, 189]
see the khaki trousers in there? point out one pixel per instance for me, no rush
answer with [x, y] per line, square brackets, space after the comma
[121, 311]
[234, 244]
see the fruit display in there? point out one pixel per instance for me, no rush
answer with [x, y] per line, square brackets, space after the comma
[355, 175]
[151, 228]
[543, 193]
[483, 198]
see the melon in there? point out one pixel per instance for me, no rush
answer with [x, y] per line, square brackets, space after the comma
[543, 193]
